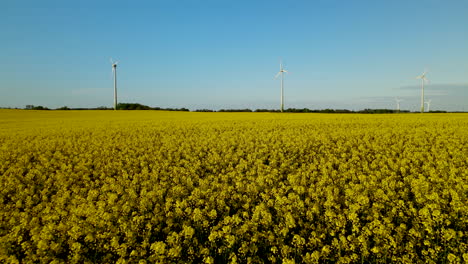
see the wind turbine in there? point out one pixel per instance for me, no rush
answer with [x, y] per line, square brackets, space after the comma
[114, 71]
[281, 72]
[428, 102]
[423, 80]
[398, 104]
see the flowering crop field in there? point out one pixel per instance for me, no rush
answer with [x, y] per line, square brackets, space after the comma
[184, 187]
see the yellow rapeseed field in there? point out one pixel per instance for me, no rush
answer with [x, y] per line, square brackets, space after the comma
[182, 187]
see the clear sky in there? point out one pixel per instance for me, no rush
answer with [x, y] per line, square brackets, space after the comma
[224, 54]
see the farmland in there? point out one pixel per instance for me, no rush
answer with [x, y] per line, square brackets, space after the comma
[168, 187]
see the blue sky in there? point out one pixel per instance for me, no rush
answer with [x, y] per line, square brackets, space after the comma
[225, 54]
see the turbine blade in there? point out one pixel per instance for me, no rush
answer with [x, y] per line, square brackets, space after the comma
[424, 74]
[111, 61]
[278, 74]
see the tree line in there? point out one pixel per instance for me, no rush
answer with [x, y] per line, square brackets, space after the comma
[137, 106]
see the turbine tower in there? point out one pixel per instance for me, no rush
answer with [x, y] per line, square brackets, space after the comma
[423, 80]
[428, 102]
[398, 104]
[281, 72]
[114, 71]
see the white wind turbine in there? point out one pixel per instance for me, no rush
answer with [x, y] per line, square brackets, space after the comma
[114, 71]
[428, 102]
[281, 72]
[423, 80]
[398, 103]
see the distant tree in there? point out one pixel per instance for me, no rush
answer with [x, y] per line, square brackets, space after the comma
[63, 108]
[343, 111]
[136, 106]
[40, 107]
[235, 110]
[132, 106]
[295, 110]
[173, 109]
[377, 111]
[103, 108]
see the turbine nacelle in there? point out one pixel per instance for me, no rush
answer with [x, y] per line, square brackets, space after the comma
[280, 73]
[423, 77]
[114, 63]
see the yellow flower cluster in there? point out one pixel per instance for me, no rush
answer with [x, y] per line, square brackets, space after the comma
[168, 187]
